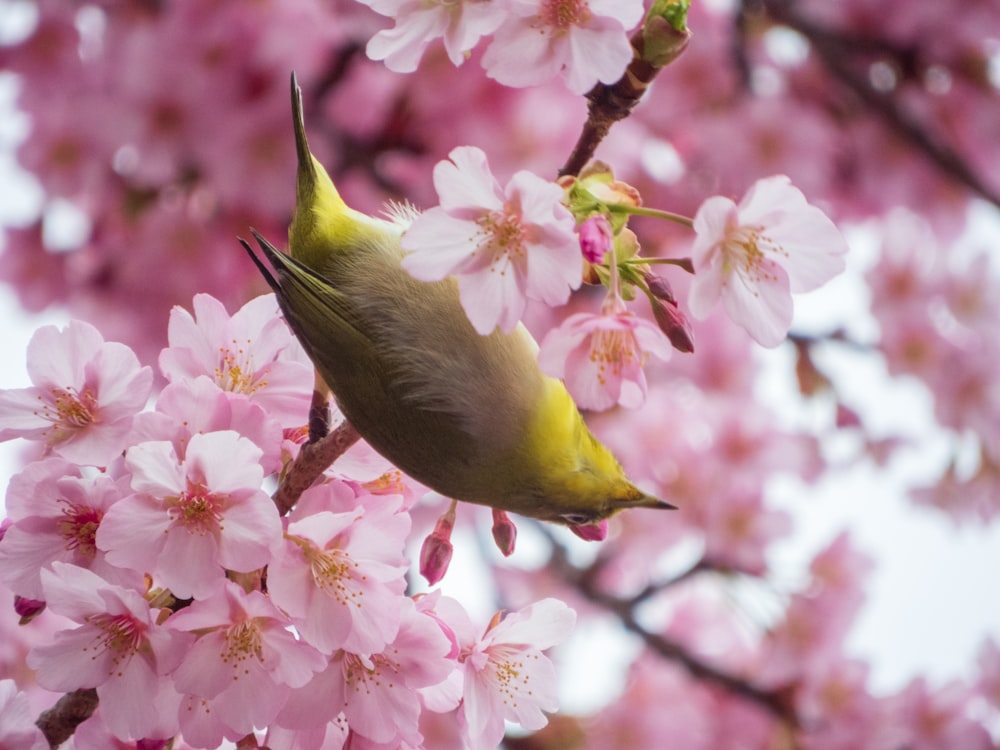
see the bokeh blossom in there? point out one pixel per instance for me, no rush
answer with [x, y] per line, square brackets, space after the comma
[505, 245]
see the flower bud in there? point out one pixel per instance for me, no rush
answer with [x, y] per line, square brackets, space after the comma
[665, 34]
[596, 238]
[436, 551]
[674, 324]
[28, 609]
[659, 287]
[504, 532]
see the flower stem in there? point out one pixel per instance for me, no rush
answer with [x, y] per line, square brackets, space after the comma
[656, 213]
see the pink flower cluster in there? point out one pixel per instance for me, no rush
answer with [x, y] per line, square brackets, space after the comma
[581, 41]
[187, 602]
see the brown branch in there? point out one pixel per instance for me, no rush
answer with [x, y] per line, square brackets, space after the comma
[59, 722]
[834, 50]
[314, 458]
[583, 581]
[607, 104]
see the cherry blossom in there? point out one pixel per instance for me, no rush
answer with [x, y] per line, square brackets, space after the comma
[505, 245]
[240, 670]
[196, 405]
[583, 41]
[506, 674]
[55, 513]
[600, 356]
[189, 519]
[378, 692]
[754, 254]
[251, 353]
[118, 648]
[84, 396]
[461, 24]
[340, 576]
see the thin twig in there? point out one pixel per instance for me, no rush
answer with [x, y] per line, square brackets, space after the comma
[607, 104]
[312, 461]
[583, 581]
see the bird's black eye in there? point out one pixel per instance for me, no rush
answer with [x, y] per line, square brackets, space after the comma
[577, 519]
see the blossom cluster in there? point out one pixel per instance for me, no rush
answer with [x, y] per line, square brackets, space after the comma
[581, 41]
[191, 606]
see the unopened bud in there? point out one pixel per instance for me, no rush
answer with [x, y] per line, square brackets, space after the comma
[665, 34]
[659, 287]
[436, 551]
[591, 532]
[674, 324]
[28, 609]
[504, 532]
[596, 238]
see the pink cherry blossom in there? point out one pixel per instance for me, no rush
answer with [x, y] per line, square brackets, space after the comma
[55, 514]
[505, 245]
[584, 41]
[241, 669]
[191, 518]
[17, 722]
[600, 356]
[377, 692]
[418, 23]
[596, 238]
[192, 405]
[754, 254]
[86, 392]
[506, 674]
[340, 576]
[118, 648]
[251, 353]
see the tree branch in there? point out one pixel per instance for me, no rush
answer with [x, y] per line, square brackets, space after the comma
[834, 51]
[607, 104]
[314, 458]
[59, 722]
[773, 702]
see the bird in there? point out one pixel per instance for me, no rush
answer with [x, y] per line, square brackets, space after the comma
[470, 416]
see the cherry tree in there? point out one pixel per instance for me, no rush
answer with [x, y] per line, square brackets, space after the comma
[197, 553]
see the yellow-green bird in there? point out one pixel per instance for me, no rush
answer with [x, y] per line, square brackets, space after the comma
[470, 416]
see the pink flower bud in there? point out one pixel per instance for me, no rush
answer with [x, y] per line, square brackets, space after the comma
[436, 551]
[659, 287]
[596, 238]
[28, 609]
[675, 324]
[591, 532]
[504, 532]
